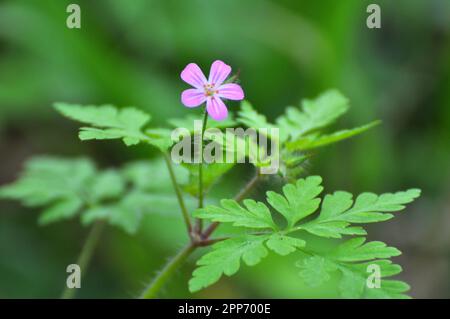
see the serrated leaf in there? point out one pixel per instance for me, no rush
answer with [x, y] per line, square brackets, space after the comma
[254, 215]
[160, 138]
[390, 289]
[317, 269]
[369, 207]
[337, 212]
[53, 181]
[315, 114]
[106, 185]
[284, 245]
[65, 209]
[108, 122]
[357, 250]
[317, 140]
[354, 281]
[225, 258]
[125, 214]
[352, 284]
[299, 200]
[387, 268]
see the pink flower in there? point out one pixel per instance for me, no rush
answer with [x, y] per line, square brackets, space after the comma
[211, 90]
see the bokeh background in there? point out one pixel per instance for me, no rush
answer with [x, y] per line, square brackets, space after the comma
[131, 53]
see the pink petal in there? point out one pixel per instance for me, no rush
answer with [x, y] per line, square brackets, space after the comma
[218, 73]
[193, 75]
[231, 91]
[216, 108]
[193, 97]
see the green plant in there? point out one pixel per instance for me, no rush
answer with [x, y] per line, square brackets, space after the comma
[284, 225]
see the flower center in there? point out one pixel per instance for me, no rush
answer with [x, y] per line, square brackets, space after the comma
[210, 90]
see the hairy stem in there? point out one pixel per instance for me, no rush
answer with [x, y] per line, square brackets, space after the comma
[86, 255]
[176, 187]
[155, 286]
[199, 222]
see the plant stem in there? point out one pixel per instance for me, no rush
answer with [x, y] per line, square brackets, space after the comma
[85, 256]
[155, 286]
[176, 187]
[199, 225]
[152, 290]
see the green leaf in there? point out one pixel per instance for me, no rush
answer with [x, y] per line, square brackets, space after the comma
[107, 122]
[126, 213]
[299, 200]
[337, 212]
[160, 138]
[390, 289]
[64, 209]
[57, 182]
[369, 207]
[352, 284]
[356, 250]
[106, 185]
[225, 258]
[315, 270]
[317, 140]
[254, 215]
[315, 114]
[355, 276]
[284, 245]
[352, 259]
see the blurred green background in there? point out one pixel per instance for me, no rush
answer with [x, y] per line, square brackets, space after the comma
[131, 53]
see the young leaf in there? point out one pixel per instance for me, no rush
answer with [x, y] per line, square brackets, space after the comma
[254, 215]
[225, 258]
[315, 114]
[316, 140]
[299, 200]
